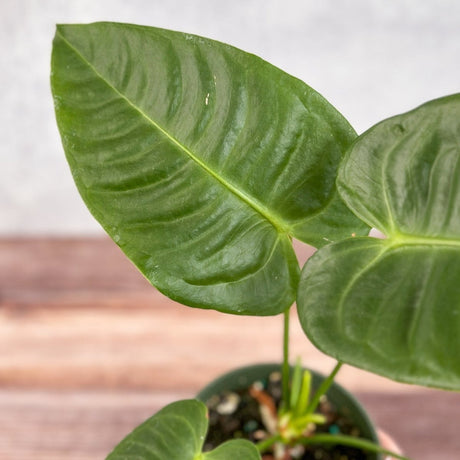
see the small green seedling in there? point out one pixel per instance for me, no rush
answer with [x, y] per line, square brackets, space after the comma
[299, 419]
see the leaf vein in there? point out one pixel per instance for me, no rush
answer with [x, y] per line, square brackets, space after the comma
[250, 201]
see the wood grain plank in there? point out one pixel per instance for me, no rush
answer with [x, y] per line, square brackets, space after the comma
[85, 425]
[88, 349]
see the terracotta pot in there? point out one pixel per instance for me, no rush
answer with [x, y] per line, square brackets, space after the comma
[243, 377]
[388, 443]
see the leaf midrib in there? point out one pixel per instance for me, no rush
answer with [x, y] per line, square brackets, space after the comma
[399, 240]
[277, 223]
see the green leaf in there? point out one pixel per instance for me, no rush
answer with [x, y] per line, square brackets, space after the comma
[200, 161]
[232, 450]
[393, 306]
[296, 385]
[177, 432]
[304, 397]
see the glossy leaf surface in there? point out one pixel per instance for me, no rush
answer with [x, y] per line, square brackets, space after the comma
[200, 161]
[177, 432]
[393, 306]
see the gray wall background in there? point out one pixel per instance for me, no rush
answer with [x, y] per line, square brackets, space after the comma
[370, 58]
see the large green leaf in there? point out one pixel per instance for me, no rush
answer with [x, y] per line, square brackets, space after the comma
[392, 306]
[177, 432]
[200, 161]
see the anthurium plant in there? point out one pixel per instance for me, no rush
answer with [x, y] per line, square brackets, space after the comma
[203, 162]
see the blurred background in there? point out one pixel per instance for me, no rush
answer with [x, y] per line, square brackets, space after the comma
[370, 58]
[87, 348]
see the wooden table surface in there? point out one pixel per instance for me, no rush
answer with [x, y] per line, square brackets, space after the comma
[88, 349]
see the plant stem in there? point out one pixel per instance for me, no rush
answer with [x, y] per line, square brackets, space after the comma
[267, 443]
[285, 368]
[362, 444]
[325, 385]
